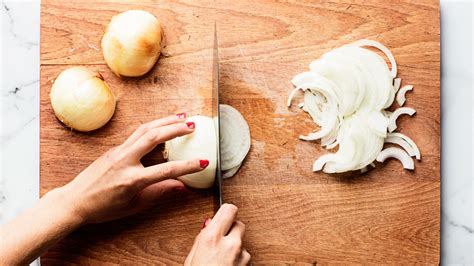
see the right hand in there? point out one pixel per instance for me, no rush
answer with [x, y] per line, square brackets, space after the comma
[220, 241]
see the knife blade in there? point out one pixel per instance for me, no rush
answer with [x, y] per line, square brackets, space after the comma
[215, 115]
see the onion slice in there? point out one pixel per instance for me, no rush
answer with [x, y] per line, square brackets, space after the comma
[412, 144]
[392, 124]
[381, 47]
[396, 84]
[401, 94]
[231, 172]
[234, 137]
[398, 154]
[402, 143]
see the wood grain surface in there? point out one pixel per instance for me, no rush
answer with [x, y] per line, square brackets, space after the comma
[293, 216]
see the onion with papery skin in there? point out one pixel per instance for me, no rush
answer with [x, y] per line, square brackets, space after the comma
[132, 43]
[201, 144]
[81, 99]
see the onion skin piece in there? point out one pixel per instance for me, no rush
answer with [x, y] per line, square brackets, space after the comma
[81, 99]
[398, 154]
[132, 42]
[392, 125]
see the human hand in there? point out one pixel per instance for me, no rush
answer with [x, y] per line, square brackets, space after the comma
[220, 241]
[117, 184]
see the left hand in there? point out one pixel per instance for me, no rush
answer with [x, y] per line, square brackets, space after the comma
[117, 184]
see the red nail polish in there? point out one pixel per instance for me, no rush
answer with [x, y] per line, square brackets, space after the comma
[205, 223]
[203, 163]
[181, 115]
[190, 125]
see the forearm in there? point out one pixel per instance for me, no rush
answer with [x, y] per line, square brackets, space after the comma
[37, 229]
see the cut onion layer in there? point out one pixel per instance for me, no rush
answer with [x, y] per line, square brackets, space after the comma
[416, 151]
[234, 137]
[392, 124]
[347, 92]
[231, 172]
[398, 154]
[396, 84]
[401, 94]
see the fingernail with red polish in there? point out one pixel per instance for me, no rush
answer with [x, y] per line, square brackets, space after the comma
[190, 125]
[203, 163]
[205, 223]
[181, 115]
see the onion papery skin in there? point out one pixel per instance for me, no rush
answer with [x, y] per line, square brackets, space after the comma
[81, 99]
[132, 42]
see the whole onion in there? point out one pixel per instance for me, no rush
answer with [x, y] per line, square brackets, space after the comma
[81, 99]
[132, 42]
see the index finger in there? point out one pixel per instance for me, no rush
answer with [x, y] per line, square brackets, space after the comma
[144, 128]
[223, 219]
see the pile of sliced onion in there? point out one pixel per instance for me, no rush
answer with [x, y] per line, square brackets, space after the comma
[346, 93]
[234, 140]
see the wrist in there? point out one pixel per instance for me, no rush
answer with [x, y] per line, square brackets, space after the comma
[63, 207]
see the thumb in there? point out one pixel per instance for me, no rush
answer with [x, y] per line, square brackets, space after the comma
[156, 192]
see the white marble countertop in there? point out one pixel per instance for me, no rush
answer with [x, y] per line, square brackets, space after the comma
[19, 126]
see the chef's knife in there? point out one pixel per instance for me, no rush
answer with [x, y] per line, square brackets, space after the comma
[215, 116]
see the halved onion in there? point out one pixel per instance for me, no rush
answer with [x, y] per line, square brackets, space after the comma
[392, 124]
[234, 137]
[398, 154]
[401, 94]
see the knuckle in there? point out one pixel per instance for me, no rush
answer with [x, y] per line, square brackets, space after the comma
[167, 171]
[127, 185]
[209, 238]
[230, 208]
[235, 245]
[192, 164]
[241, 224]
[143, 128]
[152, 135]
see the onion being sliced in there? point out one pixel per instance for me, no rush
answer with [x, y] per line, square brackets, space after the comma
[392, 124]
[401, 94]
[199, 144]
[412, 144]
[234, 137]
[398, 154]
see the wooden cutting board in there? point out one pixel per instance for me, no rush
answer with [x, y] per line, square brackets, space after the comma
[293, 216]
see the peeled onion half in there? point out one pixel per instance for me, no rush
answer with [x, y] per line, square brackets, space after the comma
[199, 144]
[132, 42]
[81, 99]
